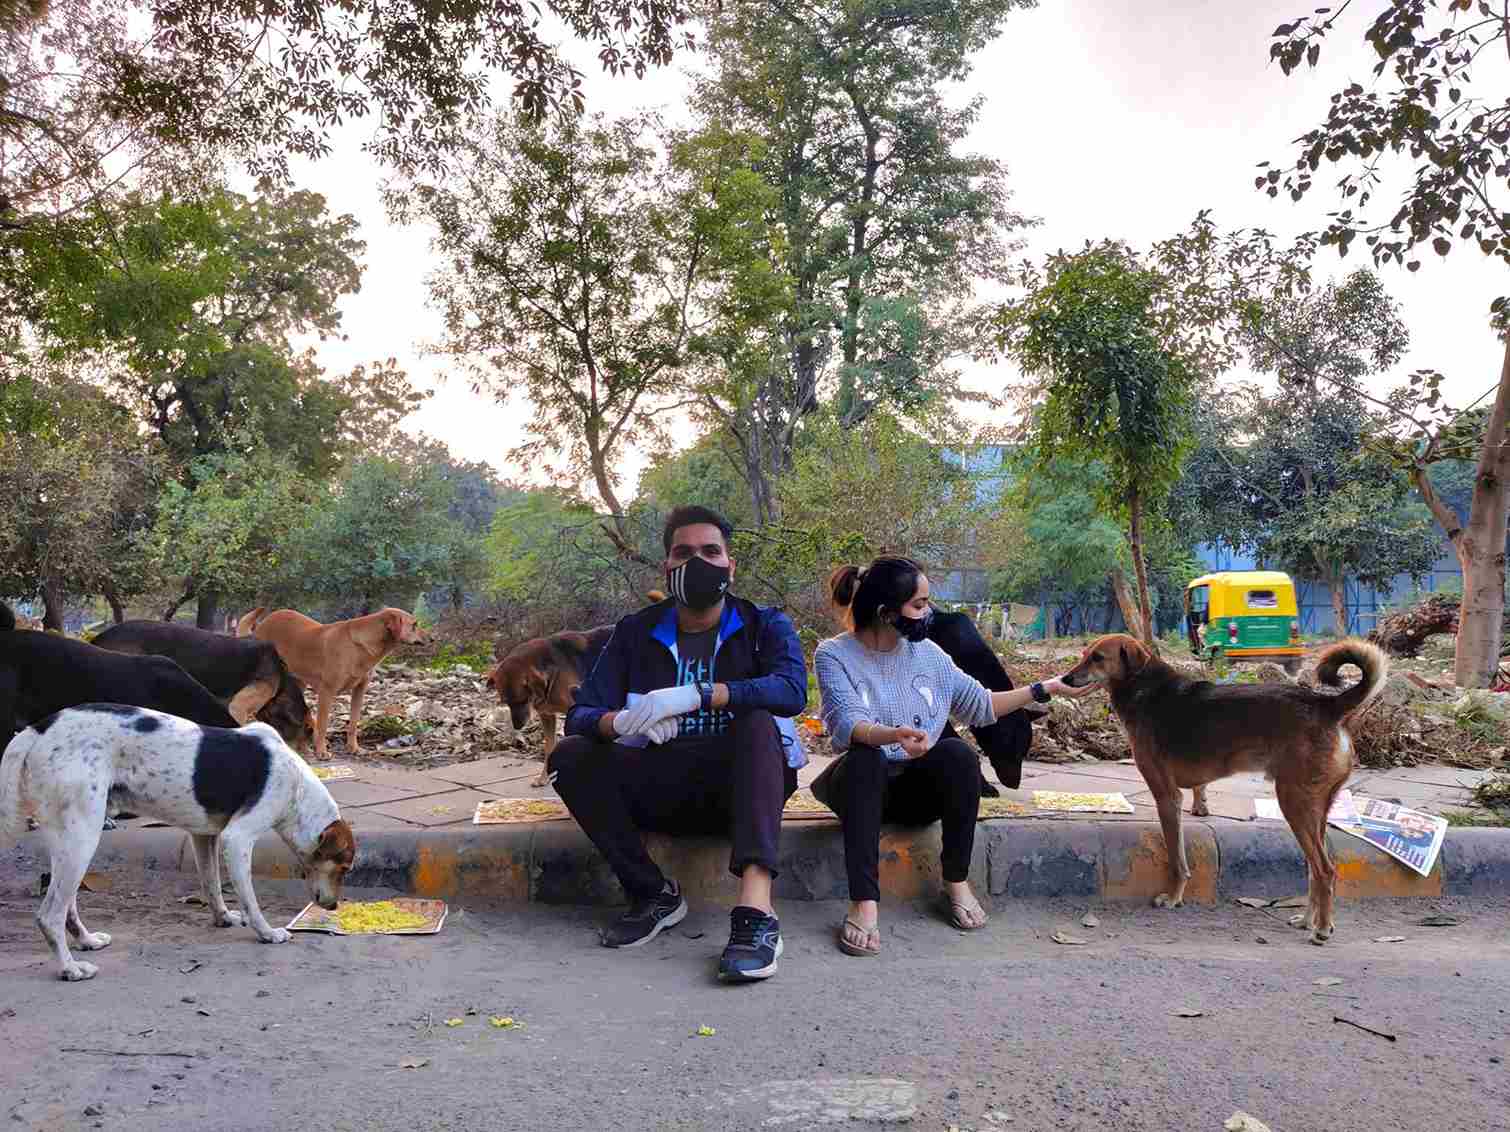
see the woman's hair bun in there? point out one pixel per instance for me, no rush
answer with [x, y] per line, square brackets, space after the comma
[842, 584]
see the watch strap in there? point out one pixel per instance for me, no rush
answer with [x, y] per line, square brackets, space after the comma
[1040, 693]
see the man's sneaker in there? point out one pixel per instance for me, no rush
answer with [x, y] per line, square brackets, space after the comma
[645, 918]
[754, 946]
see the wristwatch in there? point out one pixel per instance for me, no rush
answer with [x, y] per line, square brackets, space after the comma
[705, 689]
[1040, 693]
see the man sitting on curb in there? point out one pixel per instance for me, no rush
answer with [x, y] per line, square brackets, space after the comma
[683, 726]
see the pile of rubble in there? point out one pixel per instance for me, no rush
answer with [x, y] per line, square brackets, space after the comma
[428, 718]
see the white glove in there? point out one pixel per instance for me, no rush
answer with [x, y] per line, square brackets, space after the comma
[664, 731]
[655, 706]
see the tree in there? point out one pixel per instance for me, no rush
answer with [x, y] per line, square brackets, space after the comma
[1424, 108]
[548, 566]
[78, 490]
[94, 87]
[877, 224]
[1112, 388]
[229, 527]
[191, 307]
[570, 270]
[198, 301]
[1065, 549]
[1286, 477]
[385, 534]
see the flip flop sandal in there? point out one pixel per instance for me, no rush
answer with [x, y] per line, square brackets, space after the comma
[855, 949]
[952, 910]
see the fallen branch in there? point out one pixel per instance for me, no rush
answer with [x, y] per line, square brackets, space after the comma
[1365, 1029]
[128, 1052]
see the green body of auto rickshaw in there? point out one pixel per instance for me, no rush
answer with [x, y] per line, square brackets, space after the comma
[1244, 615]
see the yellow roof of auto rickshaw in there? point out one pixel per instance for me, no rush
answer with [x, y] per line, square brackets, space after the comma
[1243, 578]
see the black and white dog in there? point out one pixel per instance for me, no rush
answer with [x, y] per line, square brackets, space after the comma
[224, 787]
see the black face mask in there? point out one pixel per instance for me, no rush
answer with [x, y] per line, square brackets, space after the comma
[697, 583]
[914, 629]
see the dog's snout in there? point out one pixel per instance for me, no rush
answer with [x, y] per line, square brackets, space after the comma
[328, 903]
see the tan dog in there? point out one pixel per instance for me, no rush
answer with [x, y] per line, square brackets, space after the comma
[1186, 733]
[544, 674]
[333, 659]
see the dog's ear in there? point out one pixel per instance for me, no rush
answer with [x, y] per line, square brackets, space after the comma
[1133, 659]
[337, 843]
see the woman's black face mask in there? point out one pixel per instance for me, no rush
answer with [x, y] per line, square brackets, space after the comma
[913, 628]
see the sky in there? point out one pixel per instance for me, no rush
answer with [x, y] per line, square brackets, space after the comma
[1113, 119]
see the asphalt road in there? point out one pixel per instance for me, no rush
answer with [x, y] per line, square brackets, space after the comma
[999, 1029]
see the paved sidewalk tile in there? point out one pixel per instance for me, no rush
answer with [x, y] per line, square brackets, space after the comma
[1437, 775]
[410, 781]
[1080, 784]
[484, 770]
[1118, 771]
[354, 792]
[817, 764]
[361, 819]
[436, 809]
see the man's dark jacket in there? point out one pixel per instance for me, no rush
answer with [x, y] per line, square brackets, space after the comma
[758, 656]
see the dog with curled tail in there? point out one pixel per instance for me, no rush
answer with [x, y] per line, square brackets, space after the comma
[1186, 733]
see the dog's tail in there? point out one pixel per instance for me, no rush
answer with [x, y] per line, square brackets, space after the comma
[12, 763]
[248, 623]
[1369, 658]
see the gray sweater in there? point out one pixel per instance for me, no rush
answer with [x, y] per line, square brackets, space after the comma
[914, 685]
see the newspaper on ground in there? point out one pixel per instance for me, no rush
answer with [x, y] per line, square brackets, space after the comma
[1409, 836]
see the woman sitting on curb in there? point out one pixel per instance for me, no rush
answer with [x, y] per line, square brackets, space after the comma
[887, 693]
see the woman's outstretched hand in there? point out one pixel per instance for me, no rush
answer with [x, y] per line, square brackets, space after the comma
[1057, 687]
[913, 741]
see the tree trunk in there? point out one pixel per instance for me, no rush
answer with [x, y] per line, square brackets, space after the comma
[1145, 605]
[1480, 546]
[1124, 598]
[172, 610]
[1338, 583]
[52, 605]
[112, 595]
[209, 609]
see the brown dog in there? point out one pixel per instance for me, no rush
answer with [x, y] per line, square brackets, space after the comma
[333, 659]
[544, 674]
[1186, 733]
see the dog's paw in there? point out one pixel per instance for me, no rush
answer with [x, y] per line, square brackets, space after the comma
[276, 935]
[230, 919]
[1200, 810]
[93, 941]
[76, 971]
[1164, 900]
[1319, 936]
[1300, 920]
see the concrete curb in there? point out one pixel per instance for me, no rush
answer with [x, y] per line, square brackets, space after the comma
[1114, 861]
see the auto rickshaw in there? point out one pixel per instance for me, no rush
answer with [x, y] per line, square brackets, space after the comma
[1244, 615]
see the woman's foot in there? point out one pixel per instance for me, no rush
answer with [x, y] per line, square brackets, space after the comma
[963, 909]
[860, 934]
